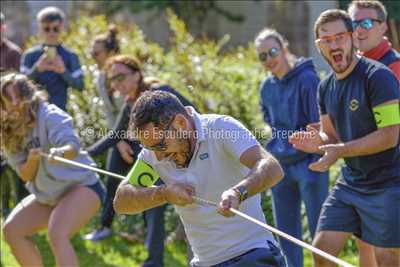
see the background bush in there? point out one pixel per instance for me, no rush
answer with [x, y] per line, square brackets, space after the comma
[215, 79]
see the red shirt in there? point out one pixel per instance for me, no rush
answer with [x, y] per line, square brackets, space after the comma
[10, 56]
[380, 51]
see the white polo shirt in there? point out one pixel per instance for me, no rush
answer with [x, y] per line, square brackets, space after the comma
[214, 168]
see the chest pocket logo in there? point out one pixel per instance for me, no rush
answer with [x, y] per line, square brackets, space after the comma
[203, 156]
[354, 105]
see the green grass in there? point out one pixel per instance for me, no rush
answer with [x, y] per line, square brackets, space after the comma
[111, 252]
[114, 251]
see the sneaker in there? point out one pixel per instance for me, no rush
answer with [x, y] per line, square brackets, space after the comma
[137, 237]
[99, 234]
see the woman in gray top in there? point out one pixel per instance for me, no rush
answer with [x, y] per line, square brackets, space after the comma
[103, 47]
[63, 198]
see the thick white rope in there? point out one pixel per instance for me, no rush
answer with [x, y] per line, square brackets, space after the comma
[237, 212]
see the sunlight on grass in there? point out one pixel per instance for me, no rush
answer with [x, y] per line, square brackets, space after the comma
[115, 252]
[111, 252]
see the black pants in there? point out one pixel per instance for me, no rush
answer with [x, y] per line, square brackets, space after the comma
[115, 164]
[154, 218]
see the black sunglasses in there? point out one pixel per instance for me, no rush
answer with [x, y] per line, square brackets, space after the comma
[95, 53]
[120, 77]
[162, 145]
[366, 23]
[273, 52]
[48, 29]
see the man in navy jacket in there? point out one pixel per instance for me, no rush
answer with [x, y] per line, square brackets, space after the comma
[51, 64]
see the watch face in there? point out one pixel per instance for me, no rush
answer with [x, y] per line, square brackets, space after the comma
[243, 193]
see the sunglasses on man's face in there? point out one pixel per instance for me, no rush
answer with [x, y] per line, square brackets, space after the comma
[162, 145]
[273, 52]
[55, 29]
[338, 38]
[366, 23]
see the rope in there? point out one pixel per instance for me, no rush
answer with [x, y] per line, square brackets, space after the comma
[208, 202]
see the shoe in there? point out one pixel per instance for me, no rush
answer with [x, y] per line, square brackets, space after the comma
[99, 234]
[137, 237]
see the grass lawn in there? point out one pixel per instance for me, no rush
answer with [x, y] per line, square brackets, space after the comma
[114, 251]
[111, 252]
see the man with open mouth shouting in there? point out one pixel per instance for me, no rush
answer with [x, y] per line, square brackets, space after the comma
[360, 121]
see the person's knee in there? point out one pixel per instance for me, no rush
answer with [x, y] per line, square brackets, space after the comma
[318, 260]
[322, 243]
[57, 236]
[363, 246]
[387, 256]
[8, 232]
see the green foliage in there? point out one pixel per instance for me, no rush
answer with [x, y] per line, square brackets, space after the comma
[216, 80]
[111, 252]
[187, 10]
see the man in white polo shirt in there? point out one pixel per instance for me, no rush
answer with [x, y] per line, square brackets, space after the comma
[213, 157]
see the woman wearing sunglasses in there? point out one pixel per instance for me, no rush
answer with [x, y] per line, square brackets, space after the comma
[125, 75]
[104, 47]
[289, 103]
[63, 199]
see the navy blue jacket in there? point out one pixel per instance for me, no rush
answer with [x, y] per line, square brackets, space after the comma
[289, 104]
[55, 84]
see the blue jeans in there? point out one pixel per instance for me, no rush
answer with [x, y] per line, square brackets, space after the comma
[270, 256]
[154, 219]
[299, 183]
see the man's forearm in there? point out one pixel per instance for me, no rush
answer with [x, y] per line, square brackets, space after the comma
[265, 174]
[131, 199]
[375, 142]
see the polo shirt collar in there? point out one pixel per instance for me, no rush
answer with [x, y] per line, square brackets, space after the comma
[199, 125]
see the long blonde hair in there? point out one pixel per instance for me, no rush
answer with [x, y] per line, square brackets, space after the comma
[15, 126]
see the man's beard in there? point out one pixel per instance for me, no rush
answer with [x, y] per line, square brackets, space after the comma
[188, 154]
[348, 57]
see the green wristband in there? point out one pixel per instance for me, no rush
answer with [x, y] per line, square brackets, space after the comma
[387, 115]
[142, 174]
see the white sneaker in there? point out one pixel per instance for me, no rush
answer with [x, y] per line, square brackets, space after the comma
[99, 234]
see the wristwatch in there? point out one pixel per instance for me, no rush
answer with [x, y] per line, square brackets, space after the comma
[242, 191]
